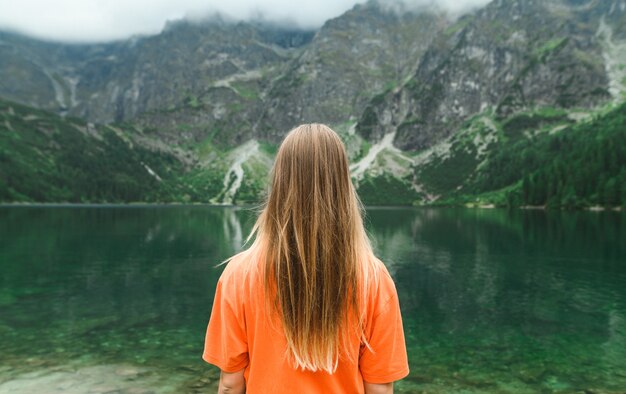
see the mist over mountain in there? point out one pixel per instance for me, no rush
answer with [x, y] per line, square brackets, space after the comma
[93, 21]
[425, 99]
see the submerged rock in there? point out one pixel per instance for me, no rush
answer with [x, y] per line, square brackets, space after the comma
[70, 379]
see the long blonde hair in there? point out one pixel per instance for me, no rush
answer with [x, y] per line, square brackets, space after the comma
[316, 255]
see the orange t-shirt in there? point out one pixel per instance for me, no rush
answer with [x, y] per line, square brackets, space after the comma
[240, 335]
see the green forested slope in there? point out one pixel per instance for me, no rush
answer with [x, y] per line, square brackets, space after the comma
[578, 166]
[541, 158]
[46, 158]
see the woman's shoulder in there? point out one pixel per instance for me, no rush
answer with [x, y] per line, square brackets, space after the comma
[234, 282]
[380, 267]
[239, 268]
[380, 273]
[381, 287]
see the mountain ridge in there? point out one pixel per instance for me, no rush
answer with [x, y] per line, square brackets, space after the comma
[421, 118]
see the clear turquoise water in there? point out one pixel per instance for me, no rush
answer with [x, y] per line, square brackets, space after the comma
[116, 299]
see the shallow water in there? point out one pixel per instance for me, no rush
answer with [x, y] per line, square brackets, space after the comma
[116, 299]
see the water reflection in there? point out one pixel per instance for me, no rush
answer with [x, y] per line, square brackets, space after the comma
[489, 291]
[120, 285]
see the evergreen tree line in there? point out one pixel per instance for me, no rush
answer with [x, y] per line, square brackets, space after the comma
[581, 166]
[45, 158]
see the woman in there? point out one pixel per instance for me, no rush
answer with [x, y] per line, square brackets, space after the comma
[307, 308]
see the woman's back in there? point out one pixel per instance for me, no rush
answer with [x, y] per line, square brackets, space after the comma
[242, 335]
[308, 307]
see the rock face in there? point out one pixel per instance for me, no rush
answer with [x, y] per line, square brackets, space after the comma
[508, 57]
[367, 50]
[394, 69]
[118, 81]
[221, 81]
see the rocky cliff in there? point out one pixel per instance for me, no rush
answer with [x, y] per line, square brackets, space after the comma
[364, 52]
[118, 81]
[508, 57]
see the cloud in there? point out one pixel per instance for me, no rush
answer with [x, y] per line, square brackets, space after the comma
[459, 6]
[98, 20]
[454, 8]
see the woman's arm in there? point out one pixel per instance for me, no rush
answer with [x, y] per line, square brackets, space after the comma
[232, 383]
[375, 388]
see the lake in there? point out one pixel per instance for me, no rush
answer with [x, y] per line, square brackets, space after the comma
[116, 299]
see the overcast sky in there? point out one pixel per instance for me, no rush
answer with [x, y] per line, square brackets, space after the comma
[105, 20]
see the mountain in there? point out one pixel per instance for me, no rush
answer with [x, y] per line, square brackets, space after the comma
[228, 81]
[331, 79]
[512, 72]
[432, 109]
[508, 57]
[118, 81]
[369, 49]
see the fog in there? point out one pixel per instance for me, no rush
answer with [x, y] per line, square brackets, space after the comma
[98, 21]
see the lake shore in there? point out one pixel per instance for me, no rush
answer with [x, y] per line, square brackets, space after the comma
[595, 208]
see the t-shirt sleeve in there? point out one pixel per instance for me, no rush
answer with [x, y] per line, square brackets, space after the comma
[386, 361]
[225, 343]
